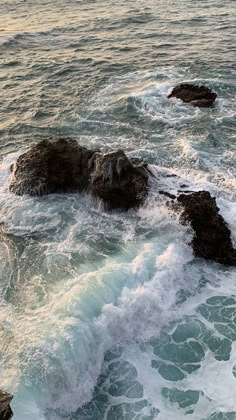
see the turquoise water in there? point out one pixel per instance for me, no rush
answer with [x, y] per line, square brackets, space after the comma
[107, 316]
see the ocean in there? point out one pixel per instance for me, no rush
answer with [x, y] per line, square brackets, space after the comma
[108, 315]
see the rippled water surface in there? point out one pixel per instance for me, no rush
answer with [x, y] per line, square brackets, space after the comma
[107, 316]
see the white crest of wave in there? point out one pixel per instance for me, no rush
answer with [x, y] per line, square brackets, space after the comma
[124, 301]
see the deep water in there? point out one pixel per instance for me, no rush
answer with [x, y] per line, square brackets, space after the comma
[108, 316]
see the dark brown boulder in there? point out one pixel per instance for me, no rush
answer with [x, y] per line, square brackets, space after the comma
[194, 95]
[5, 409]
[62, 165]
[118, 181]
[212, 238]
[53, 165]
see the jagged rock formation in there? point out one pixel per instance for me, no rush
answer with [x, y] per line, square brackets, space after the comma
[5, 409]
[194, 95]
[62, 165]
[212, 237]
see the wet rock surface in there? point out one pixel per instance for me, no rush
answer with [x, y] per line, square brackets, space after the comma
[212, 237]
[194, 95]
[5, 409]
[62, 165]
[53, 165]
[118, 181]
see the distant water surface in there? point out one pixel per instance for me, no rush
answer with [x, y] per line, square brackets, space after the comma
[108, 316]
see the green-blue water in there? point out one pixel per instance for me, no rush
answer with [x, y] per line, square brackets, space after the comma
[108, 316]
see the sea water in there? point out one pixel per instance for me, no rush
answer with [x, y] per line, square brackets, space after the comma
[107, 316]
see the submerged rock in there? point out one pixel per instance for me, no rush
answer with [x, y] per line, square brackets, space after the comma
[212, 237]
[5, 409]
[194, 95]
[62, 165]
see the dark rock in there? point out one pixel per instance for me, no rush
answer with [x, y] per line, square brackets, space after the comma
[171, 176]
[167, 194]
[117, 181]
[212, 238]
[61, 165]
[194, 95]
[5, 409]
[51, 166]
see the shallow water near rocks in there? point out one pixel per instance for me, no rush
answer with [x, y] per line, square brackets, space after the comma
[108, 316]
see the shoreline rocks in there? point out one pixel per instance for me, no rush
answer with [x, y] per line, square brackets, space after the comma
[62, 165]
[194, 95]
[212, 237]
[5, 409]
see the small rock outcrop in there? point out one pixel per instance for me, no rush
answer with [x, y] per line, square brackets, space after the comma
[5, 409]
[53, 165]
[119, 181]
[212, 237]
[62, 165]
[194, 95]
